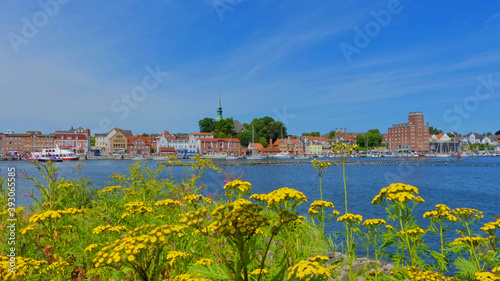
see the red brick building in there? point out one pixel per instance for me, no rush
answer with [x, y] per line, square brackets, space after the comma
[210, 146]
[31, 141]
[409, 137]
[138, 145]
[292, 146]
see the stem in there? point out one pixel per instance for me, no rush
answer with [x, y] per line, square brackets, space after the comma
[345, 184]
[264, 257]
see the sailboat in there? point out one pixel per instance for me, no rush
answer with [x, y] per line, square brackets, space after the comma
[255, 156]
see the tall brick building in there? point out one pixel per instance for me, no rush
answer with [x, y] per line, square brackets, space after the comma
[409, 137]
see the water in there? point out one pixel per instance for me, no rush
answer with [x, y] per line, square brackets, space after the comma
[456, 184]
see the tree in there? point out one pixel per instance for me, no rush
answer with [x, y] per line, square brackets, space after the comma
[207, 125]
[313, 134]
[374, 137]
[92, 141]
[145, 135]
[451, 135]
[488, 134]
[497, 133]
[245, 137]
[263, 141]
[360, 140]
[434, 131]
[331, 135]
[224, 128]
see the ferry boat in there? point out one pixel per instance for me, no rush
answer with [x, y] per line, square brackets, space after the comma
[281, 155]
[55, 154]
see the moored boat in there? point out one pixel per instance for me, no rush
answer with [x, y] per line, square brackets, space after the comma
[55, 154]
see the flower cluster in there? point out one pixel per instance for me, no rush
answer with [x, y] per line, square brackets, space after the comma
[204, 261]
[243, 186]
[109, 228]
[397, 192]
[318, 258]
[196, 197]
[188, 277]
[466, 214]
[414, 273]
[168, 202]
[26, 229]
[109, 189]
[194, 218]
[412, 232]
[91, 247]
[64, 185]
[350, 218]
[239, 220]
[343, 149]
[317, 205]
[373, 223]
[490, 227]
[127, 248]
[259, 271]
[321, 166]
[174, 255]
[308, 270]
[54, 214]
[136, 207]
[279, 196]
[468, 240]
[441, 213]
[486, 276]
[24, 267]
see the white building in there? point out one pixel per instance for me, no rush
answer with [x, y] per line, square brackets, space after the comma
[180, 145]
[193, 144]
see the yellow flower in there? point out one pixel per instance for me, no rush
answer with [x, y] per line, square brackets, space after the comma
[307, 269]
[204, 261]
[258, 271]
[373, 223]
[350, 218]
[172, 256]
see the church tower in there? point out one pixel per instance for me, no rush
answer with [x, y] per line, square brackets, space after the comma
[219, 113]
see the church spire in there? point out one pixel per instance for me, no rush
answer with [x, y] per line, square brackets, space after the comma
[219, 112]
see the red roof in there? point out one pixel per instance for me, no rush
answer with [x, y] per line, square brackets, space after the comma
[65, 136]
[257, 145]
[201, 134]
[219, 139]
[316, 138]
[167, 149]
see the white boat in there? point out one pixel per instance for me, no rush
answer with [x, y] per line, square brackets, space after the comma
[255, 156]
[282, 155]
[55, 154]
[214, 156]
[301, 157]
[160, 158]
[442, 155]
[138, 158]
[232, 158]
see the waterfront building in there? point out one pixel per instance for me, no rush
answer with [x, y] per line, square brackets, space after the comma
[11, 143]
[472, 138]
[193, 144]
[116, 140]
[100, 141]
[218, 146]
[77, 140]
[412, 136]
[179, 144]
[292, 146]
[254, 148]
[138, 145]
[37, 141]
[442, 143]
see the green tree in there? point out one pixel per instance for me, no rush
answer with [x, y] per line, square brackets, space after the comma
[263, 141]
[374, 137]
[488, 134]
[224, 128]
[451, 135]
[331, 135]
[360, 140]
[497, 133]
[92, 141]
[145, 135]
[245, 137]
[434, 131]
[207, 125]
[312, 134]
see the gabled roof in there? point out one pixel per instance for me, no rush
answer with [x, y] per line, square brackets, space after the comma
[256, 145]
[201, 134]
[316, 138]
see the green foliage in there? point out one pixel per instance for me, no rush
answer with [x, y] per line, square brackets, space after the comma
[434, 131]
[92, 141]
[331, 135]
[374, 137]
[361, 140]
[267, 128]
[312, 134]
[245, 137]
[207, 125]
[224, 128]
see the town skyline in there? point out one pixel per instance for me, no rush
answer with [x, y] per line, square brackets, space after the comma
[313, 66]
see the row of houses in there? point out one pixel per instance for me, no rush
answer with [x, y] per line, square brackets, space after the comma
[12, 143]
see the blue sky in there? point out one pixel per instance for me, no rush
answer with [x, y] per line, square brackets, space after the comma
[74, 62]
